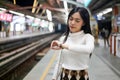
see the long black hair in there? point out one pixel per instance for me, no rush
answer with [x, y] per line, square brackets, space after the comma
[85, 17]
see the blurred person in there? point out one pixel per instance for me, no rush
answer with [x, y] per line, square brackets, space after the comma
[105, 36]
[76, 45]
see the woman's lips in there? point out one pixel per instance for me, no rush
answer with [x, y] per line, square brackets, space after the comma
[72, 27]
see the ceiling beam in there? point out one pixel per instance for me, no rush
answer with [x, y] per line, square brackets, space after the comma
[39, 7]
[35, 3]
[103, 7]
[14, 2]
[100, 4]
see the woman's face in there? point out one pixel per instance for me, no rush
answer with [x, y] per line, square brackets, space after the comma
[75, 22]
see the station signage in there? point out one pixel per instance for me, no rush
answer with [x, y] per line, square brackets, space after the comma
[118, 19]
[5, 17]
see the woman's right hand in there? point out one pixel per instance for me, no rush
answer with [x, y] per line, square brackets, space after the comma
[55, 45]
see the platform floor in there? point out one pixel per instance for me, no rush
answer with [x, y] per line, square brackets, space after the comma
[103, 65]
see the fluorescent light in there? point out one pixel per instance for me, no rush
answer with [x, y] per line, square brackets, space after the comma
[107, 10]
[17, 13]
[29, 17]
[99, 15]
[3, 9]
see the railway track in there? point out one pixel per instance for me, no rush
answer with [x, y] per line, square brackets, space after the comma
[10, 59]
[11, 44]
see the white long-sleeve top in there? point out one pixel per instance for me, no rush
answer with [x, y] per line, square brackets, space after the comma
[76, 57]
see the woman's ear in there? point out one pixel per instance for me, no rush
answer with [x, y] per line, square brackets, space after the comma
[83, 24]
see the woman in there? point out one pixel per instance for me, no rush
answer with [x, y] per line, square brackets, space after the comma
[76, 47]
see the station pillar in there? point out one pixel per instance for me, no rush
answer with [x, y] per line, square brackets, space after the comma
[115, 29]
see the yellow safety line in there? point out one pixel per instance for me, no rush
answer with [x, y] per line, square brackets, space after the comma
[48, 67]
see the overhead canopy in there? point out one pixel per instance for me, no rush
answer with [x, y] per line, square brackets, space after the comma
[37, 7]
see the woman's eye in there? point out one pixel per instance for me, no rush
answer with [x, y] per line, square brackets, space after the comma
[77, 20]
[71, 19]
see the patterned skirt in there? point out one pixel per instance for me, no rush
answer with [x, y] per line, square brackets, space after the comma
[74, 75]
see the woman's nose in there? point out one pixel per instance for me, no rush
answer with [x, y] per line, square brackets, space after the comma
[72, 22]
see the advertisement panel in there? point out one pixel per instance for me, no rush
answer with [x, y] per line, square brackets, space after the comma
[5, 17]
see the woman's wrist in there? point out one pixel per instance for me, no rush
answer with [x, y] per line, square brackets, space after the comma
[61, 46]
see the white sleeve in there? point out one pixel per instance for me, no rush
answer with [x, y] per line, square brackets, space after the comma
[88, 47]
[61, 39]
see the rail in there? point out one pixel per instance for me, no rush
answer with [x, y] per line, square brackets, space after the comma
[15, 58]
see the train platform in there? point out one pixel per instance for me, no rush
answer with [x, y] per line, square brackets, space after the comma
[103, 65]
[24, 35]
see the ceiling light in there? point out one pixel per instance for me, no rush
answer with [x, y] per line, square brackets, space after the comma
[99, 15]
[17, 13]
[29, 17]
[107, 10]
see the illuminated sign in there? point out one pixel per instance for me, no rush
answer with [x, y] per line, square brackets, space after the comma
[5, 17]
